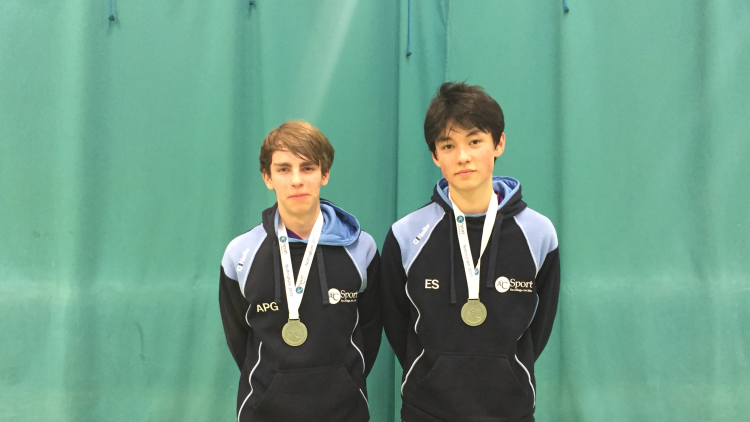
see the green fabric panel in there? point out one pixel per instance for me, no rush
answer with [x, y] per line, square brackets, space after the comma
[128, 161]
[420, 75]
[654, 211]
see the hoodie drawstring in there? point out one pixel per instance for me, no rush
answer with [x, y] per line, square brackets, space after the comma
[277, 271]
[453, 281]
[322, 274]
[493, 250]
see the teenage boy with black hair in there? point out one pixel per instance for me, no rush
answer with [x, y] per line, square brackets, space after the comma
[471, 280]
[299, 295]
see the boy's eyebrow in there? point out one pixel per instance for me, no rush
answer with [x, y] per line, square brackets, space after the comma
[473, 132]
[304, 163]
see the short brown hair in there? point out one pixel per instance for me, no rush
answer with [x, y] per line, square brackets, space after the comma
[467, 106]
[301, 139]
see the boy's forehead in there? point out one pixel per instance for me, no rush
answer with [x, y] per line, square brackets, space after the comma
[284, 156]
[453, 129]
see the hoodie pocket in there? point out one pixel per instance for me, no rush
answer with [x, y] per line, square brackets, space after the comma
[328, 393]
[470, 385]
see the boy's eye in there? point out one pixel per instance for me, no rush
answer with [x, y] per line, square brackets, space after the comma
[475, 141]
[447, 146]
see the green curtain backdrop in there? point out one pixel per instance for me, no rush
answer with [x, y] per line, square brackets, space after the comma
[128, 160]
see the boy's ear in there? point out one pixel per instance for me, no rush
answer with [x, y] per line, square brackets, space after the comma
[500, 147]
[324, 180]
[267, 180]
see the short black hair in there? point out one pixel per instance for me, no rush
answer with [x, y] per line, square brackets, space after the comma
[465, 105]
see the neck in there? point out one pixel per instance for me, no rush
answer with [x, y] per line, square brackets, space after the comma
[301, 224]
[474, 201]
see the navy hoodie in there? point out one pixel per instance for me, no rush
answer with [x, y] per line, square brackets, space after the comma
[454, 372]
[324, 378]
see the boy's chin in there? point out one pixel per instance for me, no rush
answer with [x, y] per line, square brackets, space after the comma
[300, 207]
[464, 185]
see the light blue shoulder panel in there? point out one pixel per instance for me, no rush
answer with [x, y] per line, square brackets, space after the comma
[540, 234]
[413, 231]
[238, 258]
[362, 251]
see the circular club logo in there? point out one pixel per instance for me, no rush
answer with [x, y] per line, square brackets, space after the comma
[334, 296]
[299, 290]
[502, 284]
[282, 239]
[460, 219]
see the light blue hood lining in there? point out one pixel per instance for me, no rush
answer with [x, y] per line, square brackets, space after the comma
[508, 186]
[340, 227]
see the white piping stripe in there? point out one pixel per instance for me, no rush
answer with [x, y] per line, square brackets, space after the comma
[360, 353]
[529, 375]
[424, 241]
[355, 346]
[407, 374]
[419, 314]
[533, 257]
[246, 312]
[362, 283]
[250, 381]
[536, 307]
[243, 405]
[255, 252]
[532, 317]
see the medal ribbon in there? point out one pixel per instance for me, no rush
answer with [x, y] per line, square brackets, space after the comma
[472, 273]
[294, 291]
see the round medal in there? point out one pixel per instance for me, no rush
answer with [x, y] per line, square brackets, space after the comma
[294, 332]
[473, 312]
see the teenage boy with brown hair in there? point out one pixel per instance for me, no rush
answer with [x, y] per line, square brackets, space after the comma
[471, 280]
[298, 293]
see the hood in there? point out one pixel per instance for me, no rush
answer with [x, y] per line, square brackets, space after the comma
[339, 228]
[511, 205]
[508, 187]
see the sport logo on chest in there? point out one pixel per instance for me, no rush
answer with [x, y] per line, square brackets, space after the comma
[504, 284]
[341, 296]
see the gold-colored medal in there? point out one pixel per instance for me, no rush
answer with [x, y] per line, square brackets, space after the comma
[294, 332]
[473, 312]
